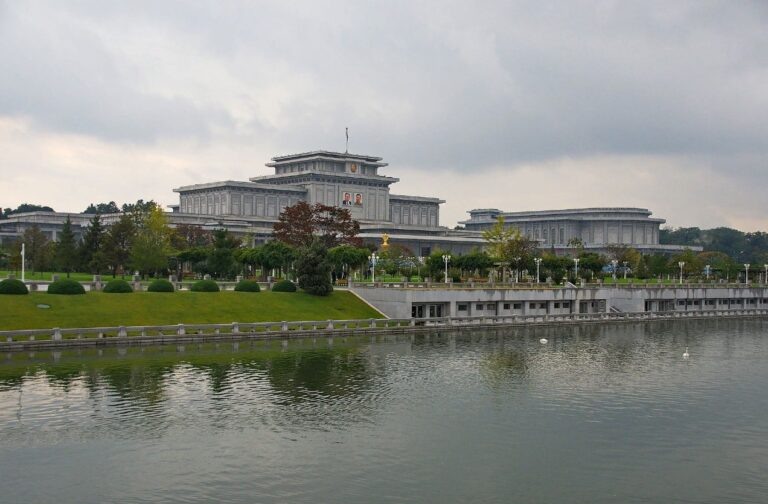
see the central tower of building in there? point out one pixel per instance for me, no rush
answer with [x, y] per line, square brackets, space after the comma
[339, 179]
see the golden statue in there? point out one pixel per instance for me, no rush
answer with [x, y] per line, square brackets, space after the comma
[384, 241]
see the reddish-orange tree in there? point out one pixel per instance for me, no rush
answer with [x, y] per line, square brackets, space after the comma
[299, 224]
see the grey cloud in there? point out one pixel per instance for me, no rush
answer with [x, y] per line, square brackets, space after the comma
[449, 85]
[60, 75]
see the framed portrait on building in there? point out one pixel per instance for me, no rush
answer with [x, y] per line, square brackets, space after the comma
[358, 199]
[347, 200]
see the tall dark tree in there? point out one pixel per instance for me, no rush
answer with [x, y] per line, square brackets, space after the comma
[300, 224]
[314, 269]
[117, 244]
[66, 249]
[221, 260]
[92, 255]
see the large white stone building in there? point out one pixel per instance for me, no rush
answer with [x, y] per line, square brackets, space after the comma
[350, 181]
[356, 182]
[594, 228]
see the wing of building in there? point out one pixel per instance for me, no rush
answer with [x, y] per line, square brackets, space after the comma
[355, 182]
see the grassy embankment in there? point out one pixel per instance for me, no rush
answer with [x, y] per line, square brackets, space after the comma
[96, 309]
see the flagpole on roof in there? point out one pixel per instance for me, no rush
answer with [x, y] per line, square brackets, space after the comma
[346, 151]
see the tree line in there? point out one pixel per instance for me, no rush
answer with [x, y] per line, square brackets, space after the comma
[317, 244]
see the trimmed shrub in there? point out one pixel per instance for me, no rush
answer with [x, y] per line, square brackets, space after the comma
[247, 286]
[66, 286]
[284, 286]
[160, 285]
[13, 286]
[118, 286]
[205, 286]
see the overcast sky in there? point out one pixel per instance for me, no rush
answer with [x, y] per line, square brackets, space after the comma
[512, 105]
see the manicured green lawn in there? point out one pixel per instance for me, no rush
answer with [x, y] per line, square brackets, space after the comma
[96, 309]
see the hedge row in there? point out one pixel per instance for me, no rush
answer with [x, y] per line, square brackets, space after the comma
[118, 286]
[66, 286]
[13, 286]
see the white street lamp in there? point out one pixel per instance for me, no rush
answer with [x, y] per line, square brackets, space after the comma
[614, 263]
[446, 260]
[625, 270]
[517, 269]
[765, 279]
[374, 259]
[707, 269]
[681, 264]
[538, 264]
[576, 267]
[23, 259]
[746, 277]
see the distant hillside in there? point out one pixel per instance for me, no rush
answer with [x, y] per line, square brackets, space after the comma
[740, 246]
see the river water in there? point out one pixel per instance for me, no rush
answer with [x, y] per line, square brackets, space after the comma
[609, 413]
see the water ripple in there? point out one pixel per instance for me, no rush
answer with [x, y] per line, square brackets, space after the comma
[599, 414]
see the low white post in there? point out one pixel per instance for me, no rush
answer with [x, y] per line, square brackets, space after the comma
[330, 325]
[180, 330]
[284, 326]
[56, 334]
[235, 327]
[122, 332]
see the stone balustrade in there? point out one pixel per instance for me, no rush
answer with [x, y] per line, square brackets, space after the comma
[57, 337]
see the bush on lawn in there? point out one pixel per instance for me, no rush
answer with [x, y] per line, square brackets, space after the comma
[284, 286]
[160, 285]
[247, 286]
[118, 286]
[205, 286]
[13, 286]
[66, 286]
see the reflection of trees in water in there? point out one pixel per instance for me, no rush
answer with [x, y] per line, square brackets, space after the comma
[142, 374]
[133, 382]
[328, 372]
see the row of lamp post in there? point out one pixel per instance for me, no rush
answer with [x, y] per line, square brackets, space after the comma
[374, 258]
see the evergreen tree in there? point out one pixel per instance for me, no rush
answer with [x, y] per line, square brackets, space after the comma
[314, 269]
[221, 260]
[66, 249]
[91, 254]
[117, 244]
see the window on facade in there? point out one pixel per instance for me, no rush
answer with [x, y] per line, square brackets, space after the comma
[557, 305]
[506, 306]
[532, 306]
[517, 306]
[461, 307]
[545, 235]
[479, 307]
[562, 236]
[543, 306]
